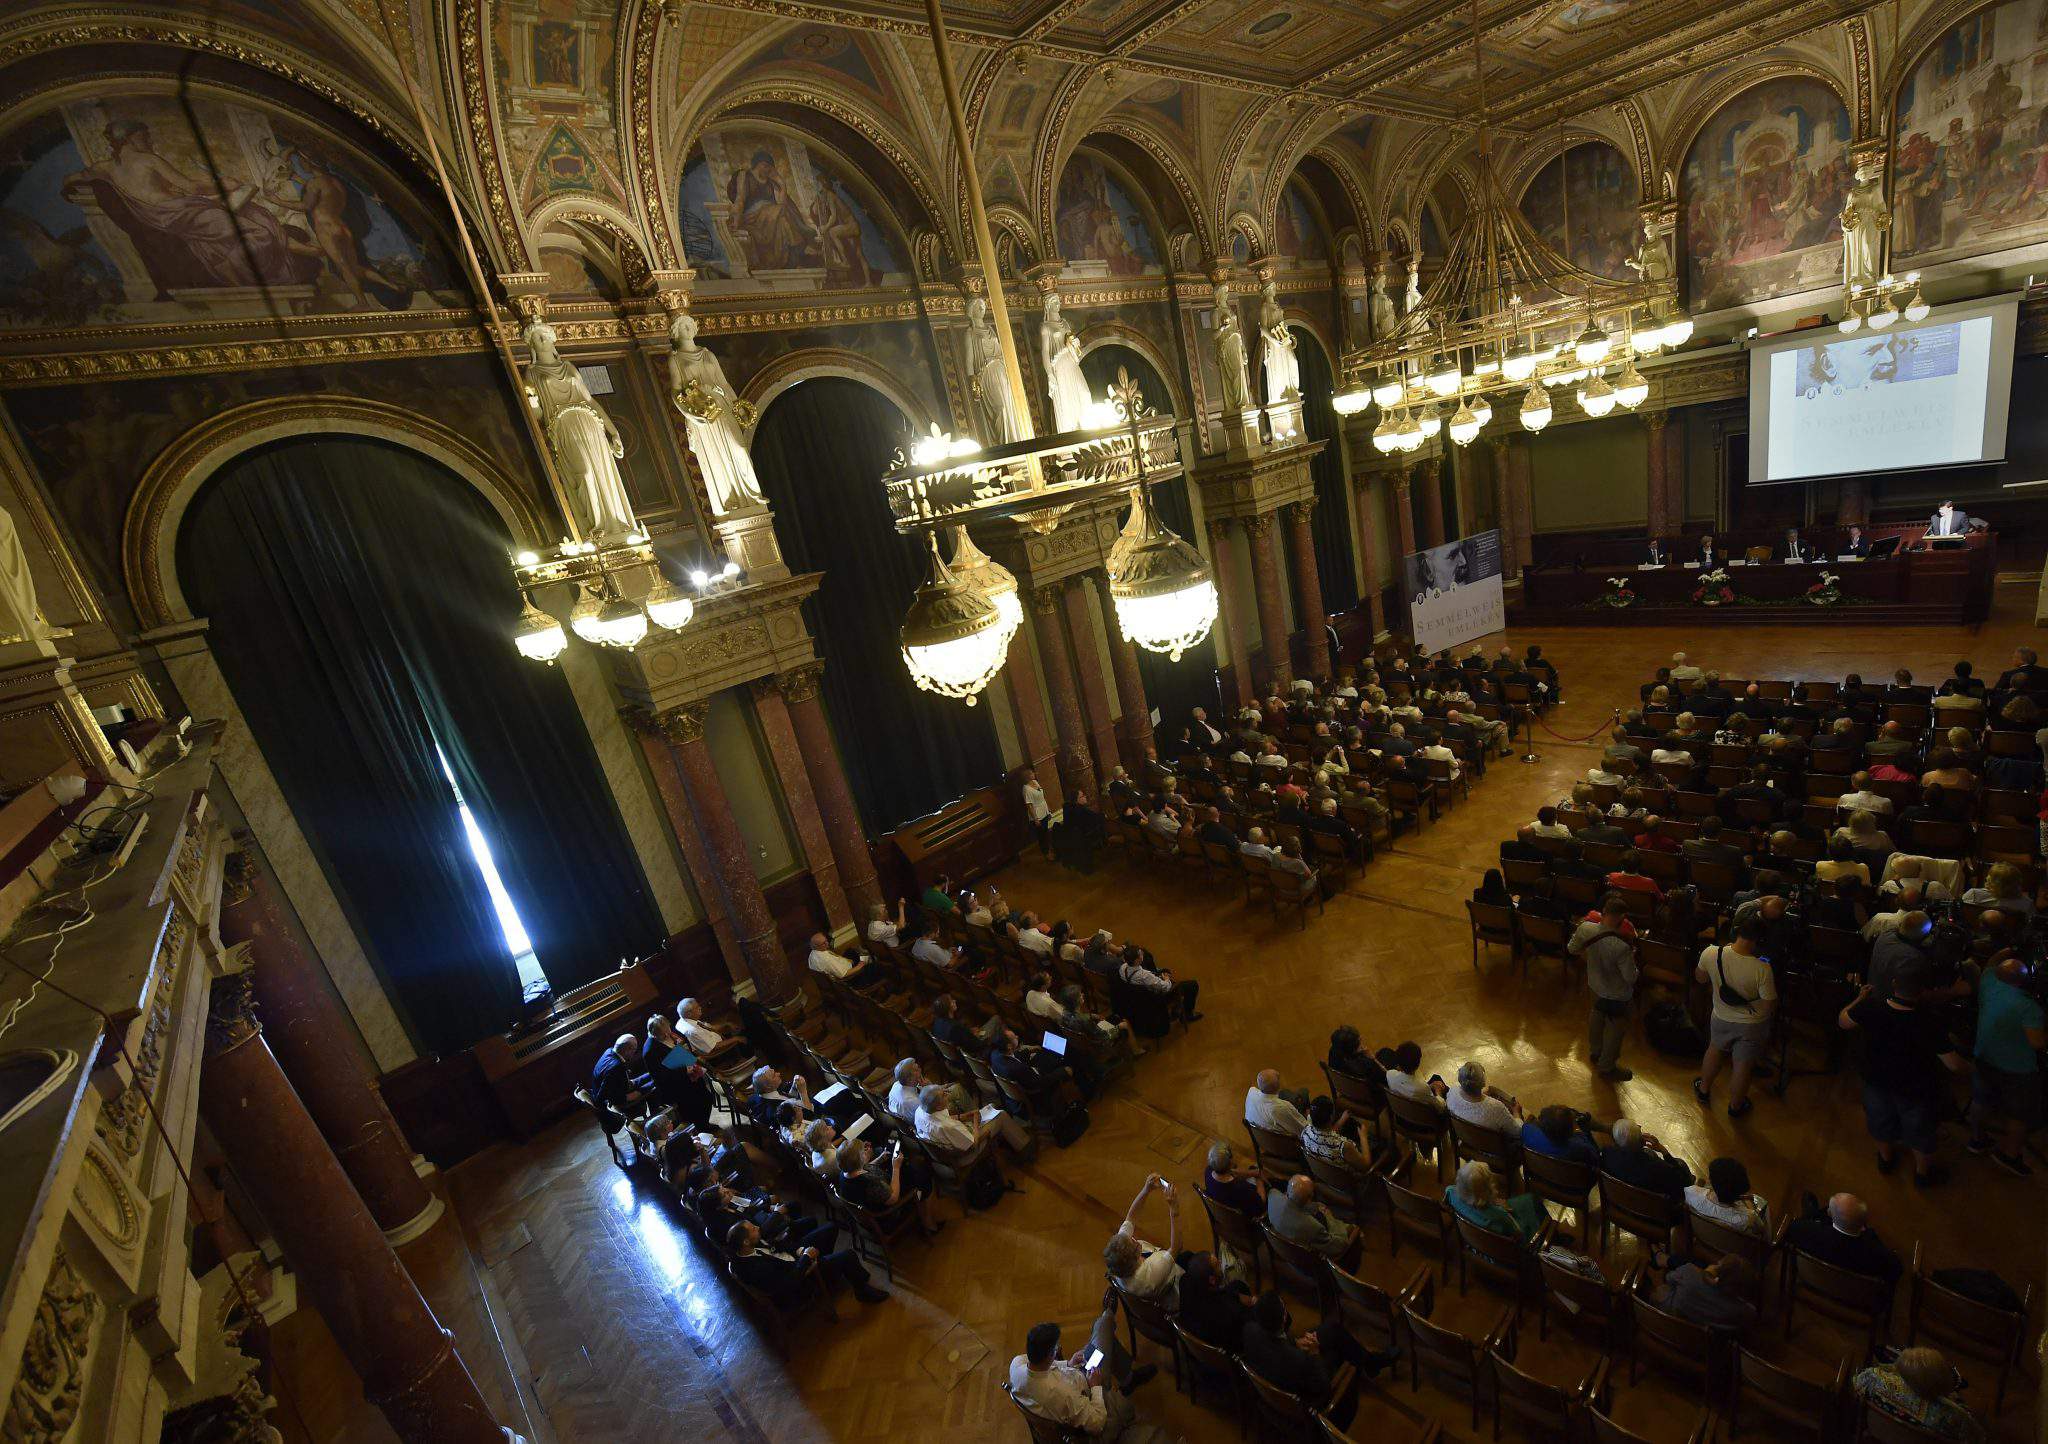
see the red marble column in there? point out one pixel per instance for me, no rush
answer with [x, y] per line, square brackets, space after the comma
[1308, 587]
[1503, 507]
[1522, 492]
[1088, 672]
[407, 1361]
[1076, 776]
[309, 1035]
[1230, 610]
[792, 771]
[1272, 603]
[1027, 710]
[1369, 553]
[1429, 477]
[725, 854]
[683, 823]
[1404, 518]
[1659, 522]
[1134, 728]
[843, 831]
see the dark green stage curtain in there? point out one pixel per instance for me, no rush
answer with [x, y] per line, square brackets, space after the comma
[361, 608]
[1174, 689]
[1331, 520]
[820, 451]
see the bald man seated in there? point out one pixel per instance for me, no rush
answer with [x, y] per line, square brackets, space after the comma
[1841, 1235]
[1267, 1105]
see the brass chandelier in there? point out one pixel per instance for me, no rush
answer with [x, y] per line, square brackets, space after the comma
[1507, 314]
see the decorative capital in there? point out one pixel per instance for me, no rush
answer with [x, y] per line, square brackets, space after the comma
[1257, 526]
[231, 1013]
[48, 1395]
[800, 684]
[684, 723]
[1428, 468]
[1300, 512]
[1219, 530]
[1655, 420]
[1045, 600]
[237, 880]
[527, 293]
[1404, 485]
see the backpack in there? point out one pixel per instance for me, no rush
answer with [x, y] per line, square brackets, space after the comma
[1070, 1125]
[984, 1189]
[1980, 1286]
[1671, 1031]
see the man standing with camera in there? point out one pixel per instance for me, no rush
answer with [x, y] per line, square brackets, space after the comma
[2011, 1031]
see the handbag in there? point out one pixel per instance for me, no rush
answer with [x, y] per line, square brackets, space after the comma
[1722, 990]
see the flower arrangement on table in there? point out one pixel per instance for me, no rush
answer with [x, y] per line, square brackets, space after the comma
[1826, 592]
[1618, 594]
[1715, 589]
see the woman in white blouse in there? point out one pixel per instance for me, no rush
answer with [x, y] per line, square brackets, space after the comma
[1725, 1198]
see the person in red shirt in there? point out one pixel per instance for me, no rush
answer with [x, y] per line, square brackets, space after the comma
[1631, 880]
[1653, 838]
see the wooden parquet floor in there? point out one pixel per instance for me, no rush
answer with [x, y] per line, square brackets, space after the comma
[620, 1329]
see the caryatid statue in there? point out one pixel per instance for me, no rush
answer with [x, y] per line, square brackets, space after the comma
[990, 378]
[585, 444]
[1283, 369]
[1060, 349]
[20, 618]
[716, 419]
[1385, 319]
[1865, 219]
[1230, 356]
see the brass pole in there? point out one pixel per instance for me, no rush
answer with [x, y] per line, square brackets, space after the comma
[977, 217]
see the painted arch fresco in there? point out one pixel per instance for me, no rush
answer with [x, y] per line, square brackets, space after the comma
[1584, 204]
[1970, 172]
[1763, 187]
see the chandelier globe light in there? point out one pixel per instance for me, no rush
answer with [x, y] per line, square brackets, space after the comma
[1163, 592]
[1464, 425]
[1592, 345]
[584, 622]
[1535, 408]
[668, 607]
[1387, 390]
[1597, 398]
[1431, 420]
[1630, 389]
[994, 580]
[952, 640]
[1444, 378]
[540, 637]
[621, 623]
[1677, 332]
[1917, 308]
[1482, 410]
[1383, 434]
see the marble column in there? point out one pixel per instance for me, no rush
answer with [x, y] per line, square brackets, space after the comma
[1429, 477]
[1080, 618]
[1308, 586]
[309, 1035]
[1230, 611]
[799, 794]
[1523, 493]
[1134, 727]
[1369, 554]
[1027, 710]
[1072, 756]
[725, 854]
[1501, 448]
[1404, 518]
[1272, 603]
[675, 804]
[407, 1361]
[1659, 523]
[843, 831]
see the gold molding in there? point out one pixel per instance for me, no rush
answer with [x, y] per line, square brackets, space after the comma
[684, 724]
[801, 684]
[51, 1387]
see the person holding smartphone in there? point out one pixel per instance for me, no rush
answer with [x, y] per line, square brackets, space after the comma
[1090, 1389]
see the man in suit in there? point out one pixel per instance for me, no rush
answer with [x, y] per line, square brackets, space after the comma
[1637, 1158]
[1206, 735]
[1857, 544]
[2024, 675]
[1215, 830]
[1707, 846]
[616, 1081]
[1793, 549]
[1843, 1237]
[781, 1275]
[1655, 555]
[1948, 521]
[1329, 819]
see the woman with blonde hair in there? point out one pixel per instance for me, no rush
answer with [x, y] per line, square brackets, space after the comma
[2003, 888]
[1917, 1387]
[1864, 836]
[1475, 1196]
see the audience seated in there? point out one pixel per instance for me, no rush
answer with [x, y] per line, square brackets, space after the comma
[1093, 1402]
[1475, 1196]
[1726, 1199]
[1841, 1235]
[1717, 1296]
[1637, 1158]
[1294, 1214]
[1918, 1386]
[1483, 1106]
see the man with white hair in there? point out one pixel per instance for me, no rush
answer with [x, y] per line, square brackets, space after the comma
[1842, 1236]
[855, 972]
[615, 1080]
[1636, 1157]
[966, 1138]
[769, 1095]
[1682, 670]
[880, 928]
[1267, 1106]
[904, 1091]
[1327, 818]
[1483, 1106]
[1255, 845]
[1860, 798]
[706, 1040]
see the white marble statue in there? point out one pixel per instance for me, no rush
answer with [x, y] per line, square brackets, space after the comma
[1276, 342]
[1230, 356]
[1652, 260]
[1865, 219]
[1411, 303]
[1385, 320]
[715, 417]
[586, 445]
[20, 619]
[990, 378]
[1060, 349]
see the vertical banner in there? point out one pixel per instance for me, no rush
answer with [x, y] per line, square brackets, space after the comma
[1454, 591]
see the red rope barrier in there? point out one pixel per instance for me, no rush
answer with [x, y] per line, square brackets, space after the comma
[1603, 727]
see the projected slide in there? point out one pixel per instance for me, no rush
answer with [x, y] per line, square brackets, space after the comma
[1881, 402]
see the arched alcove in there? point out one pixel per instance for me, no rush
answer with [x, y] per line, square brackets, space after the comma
[360, 611]
[820, 448]
[1336, 572]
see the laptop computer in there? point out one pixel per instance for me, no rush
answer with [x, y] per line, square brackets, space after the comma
[1056, 1045]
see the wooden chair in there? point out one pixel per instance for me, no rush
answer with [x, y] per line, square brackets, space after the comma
[1502, 1152]
[1544, 938]
[1424, 1125]
[1524, 873]
[1428, 1431]
[1982, 1331]
[1603, 1430]
[1277, 1414]
[1209, 1367]
[1453, 1355]
[1492, 923]
[610, 1121]
[1258, 878]
[1565, 1183]
[1245, 1236]
[1369, 1313]
[1447, 775]
[1421, 1217]
[1296, 1266]
[1651, 1217]
[811, 1295]
[1877, 1427]
[1044, 1430]
[1692, 1351]
[1326, 851]
[1595, 1306]
[1504, 1259]
[1150, 1319]
[1278, 1156]
[1290, 891]
[1717, 881]
[874, 1230]
[1551, 1408]
[1363, 1098]
[1790, 1404]
[1709, 1240]
[1339, 1186]
[1855, 1300]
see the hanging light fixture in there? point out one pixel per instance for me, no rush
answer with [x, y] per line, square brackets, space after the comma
[1383, 434]
[668, 607]
[1630, 389]
[952, 639]
[1592, 345]
[994, 580]
[1443, 377]
[1387, 390]
[1677, 332]
[1597, 397]
[1163, 592]
[1350, 403]
[621, 623]
[1535, 408]
[584, 620]
[540, 637]
[1482, 410]
[1464, 425]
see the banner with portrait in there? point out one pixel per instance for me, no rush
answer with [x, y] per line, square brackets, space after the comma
[1454, 591]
